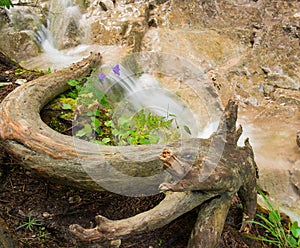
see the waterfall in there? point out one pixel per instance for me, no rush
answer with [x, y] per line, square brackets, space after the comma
[60, 39]
[63, 26]
[59, 36]
[140, 84]
[63, 22]
[145, 92]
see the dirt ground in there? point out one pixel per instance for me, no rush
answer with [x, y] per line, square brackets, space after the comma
[52, 208]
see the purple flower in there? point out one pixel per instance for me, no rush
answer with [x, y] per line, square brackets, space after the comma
[116, 69]
[102, 77]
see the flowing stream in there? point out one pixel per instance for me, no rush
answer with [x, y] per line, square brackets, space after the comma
[62, 14]
[144, 90]
[52, 38]
[61, 38]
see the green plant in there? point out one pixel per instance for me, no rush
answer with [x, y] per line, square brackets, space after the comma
[160, 242]
[92, 110]
[1, 85]
[275, 231]
[30, 223]
[6, 3]
[48, 71]
[20, 71]
[92, 113]
[141, 128]
[294, 238]
[76, 86]
[42, 234]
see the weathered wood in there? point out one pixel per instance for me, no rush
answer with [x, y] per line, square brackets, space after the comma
[210, 222]
[68, 160]
[235, 172]
[170, 208]
[203, 171]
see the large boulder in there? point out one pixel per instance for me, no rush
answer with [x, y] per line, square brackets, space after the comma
[18, 27]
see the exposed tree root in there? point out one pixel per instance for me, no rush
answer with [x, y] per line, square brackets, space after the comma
[235, 172]
[206, 172]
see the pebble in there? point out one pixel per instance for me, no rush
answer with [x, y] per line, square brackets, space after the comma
[46, 215]
[297, 15]
[74, 199]
[21, 81]
[115, 243]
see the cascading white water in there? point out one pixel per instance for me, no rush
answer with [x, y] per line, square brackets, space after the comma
[61, 37]
[145, 91]
[62, 14]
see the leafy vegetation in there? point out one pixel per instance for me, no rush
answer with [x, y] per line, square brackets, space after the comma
[30, 223]
[20, 71]
[142, 128]
[276, 233]
[92, 114]
[39, 232]
[6, 3]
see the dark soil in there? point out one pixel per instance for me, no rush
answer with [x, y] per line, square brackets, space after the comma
[55, 207]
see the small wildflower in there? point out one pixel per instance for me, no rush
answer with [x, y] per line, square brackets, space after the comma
[102, 77]
[116, 69]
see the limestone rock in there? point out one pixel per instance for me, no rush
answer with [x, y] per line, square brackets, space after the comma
[18, 45]
[122, 24]
[107, 5]
[17, 28]
[295, 178]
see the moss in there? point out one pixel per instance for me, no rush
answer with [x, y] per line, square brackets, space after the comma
[58, 114]
[63, 103]
[57, 125]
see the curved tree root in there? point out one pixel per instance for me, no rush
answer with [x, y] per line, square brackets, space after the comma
[235, 172]
[170, 208]
[219, 168]
[211, 219]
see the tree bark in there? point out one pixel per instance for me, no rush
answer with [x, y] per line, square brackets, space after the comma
[210, 222]
[68, 160]
[206, 172]
[235, 172]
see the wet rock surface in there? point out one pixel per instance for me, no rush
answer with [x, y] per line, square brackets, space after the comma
[117, 22]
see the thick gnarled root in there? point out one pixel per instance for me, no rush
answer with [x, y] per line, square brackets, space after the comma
[170, 208]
